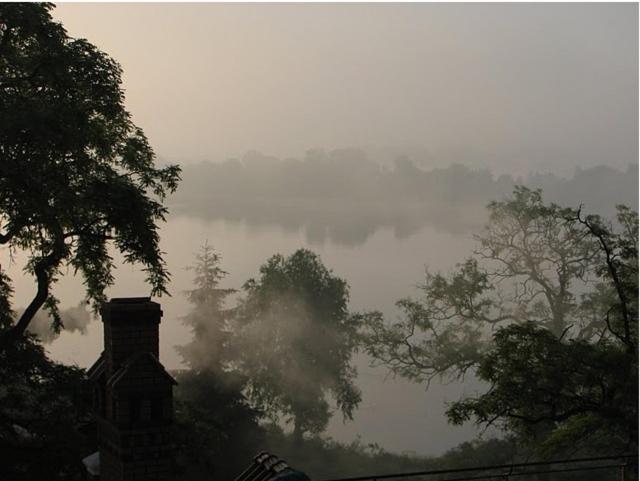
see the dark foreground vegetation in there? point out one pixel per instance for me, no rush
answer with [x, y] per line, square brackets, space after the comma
[545, 310]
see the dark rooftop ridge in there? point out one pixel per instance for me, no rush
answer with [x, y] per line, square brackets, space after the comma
[129, 300]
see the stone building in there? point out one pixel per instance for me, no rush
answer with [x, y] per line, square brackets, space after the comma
[133, 396]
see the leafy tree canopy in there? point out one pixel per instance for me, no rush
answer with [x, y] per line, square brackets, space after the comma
[531, 264]
[545, 312]
[296, 340]
[75, 172]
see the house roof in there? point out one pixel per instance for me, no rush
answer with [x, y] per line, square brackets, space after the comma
[97, 369]
[137, 360]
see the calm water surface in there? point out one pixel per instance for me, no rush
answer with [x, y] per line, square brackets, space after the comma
[398, 415]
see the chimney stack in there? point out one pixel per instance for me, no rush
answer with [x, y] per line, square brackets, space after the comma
[133, 394]
[131, 326]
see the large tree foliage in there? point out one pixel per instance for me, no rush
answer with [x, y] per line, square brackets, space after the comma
[545, 312]
[75, 173]
[585, 389]
[296, 339]
[531, 264]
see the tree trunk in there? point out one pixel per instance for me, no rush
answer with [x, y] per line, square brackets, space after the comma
[17, 331]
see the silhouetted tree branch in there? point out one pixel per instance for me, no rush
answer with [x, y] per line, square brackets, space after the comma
[75, 173]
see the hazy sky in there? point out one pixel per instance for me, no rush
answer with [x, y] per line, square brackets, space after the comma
[511, 86]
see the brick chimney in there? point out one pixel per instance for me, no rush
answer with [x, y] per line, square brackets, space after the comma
[131, 326]
[133, 394]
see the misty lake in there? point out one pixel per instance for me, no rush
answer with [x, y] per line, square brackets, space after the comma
[377, 136]
[384, 265]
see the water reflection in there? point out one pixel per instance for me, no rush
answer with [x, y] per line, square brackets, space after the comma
[343, 197]
[349, 224]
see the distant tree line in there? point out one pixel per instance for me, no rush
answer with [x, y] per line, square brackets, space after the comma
[344, 197]
[347, 174]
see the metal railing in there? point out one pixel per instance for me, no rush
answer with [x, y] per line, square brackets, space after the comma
[624, 465]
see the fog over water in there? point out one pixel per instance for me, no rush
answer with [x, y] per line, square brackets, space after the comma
[397, 95]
